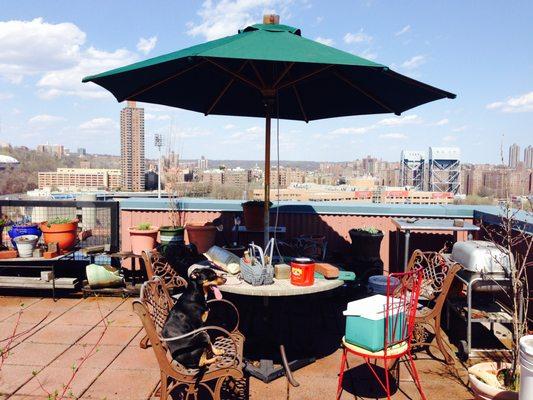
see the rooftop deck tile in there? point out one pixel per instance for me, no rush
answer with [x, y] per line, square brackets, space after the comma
[36, 354]
[119, 369]
[117, 384]
[60, 334]
[52, 379]
[114, 335]
[75, 354]
[14, 376]
[135, 358]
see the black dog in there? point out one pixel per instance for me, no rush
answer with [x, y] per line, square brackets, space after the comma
[189, 313]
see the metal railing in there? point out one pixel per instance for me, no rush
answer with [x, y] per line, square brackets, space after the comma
[101, 218]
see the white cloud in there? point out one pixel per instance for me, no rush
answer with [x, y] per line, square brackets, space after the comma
[326, 41]
[405, 29]
[229, 126]
[522, 103]
[146, 45]
[449, 138]
[67, 82]
[359, 37]
[399, 136]
[368, 54]
[250, 133]
[99, 125]
[414, 62]
[45, 119]
[33, 47]
[442, 122]
[189, 133]
[6, 96]
[154, 117]
[225, 17]
[460, 128]
[55, 55]
[396, 121]
[350, 131]
[254, 130]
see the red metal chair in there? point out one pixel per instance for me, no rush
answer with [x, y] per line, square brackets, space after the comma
[400, 313]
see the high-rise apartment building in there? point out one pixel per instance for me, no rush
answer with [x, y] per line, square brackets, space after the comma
[528, 157]
[55, 149]
[514, 155]
[132, 159]
[203, 163]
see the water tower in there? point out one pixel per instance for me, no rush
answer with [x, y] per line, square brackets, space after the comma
[444, 169]
[412, 169]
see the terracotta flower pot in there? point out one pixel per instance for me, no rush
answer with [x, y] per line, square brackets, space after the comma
[201, 235]
[143, 239]
[64, 234]
[484, 391]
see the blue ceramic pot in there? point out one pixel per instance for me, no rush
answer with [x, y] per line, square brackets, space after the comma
[19, 230]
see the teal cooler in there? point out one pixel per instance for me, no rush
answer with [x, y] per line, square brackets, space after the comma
[365, 323]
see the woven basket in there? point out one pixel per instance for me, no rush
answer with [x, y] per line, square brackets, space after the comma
[257, 274]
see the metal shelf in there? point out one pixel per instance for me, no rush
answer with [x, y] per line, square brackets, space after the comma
[490, 312]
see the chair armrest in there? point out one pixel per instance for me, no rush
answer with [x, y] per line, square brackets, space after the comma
[229, 357]
[231, 306]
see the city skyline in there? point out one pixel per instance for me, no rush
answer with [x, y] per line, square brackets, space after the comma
[52, 46]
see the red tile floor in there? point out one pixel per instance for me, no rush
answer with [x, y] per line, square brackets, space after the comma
[52, 338]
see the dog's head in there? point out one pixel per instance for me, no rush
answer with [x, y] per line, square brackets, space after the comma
[207, 279]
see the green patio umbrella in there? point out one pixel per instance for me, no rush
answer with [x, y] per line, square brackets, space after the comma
[268, 70]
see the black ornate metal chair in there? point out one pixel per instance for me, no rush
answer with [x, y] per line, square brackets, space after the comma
[224, 376]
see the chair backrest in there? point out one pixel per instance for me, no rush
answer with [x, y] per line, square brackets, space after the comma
[157, 265]
[157, 300]
[437, 273]
[153, 307]
[400, 308]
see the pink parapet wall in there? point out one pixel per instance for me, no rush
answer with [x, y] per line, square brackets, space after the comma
[334, 227]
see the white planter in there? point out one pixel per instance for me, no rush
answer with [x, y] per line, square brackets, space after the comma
[26, 245]
[526, 367]
[484, 391]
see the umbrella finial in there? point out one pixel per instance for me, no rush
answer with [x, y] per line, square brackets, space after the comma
[270, 19]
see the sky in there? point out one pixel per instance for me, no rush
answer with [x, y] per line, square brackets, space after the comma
[480, 50]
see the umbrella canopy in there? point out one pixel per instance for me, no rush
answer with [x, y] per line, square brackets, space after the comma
[233, 75]
[268, 70]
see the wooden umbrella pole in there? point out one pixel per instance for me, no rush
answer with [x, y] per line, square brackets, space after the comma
[266, 215]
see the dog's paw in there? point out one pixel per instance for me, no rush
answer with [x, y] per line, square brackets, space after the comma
[218, 352]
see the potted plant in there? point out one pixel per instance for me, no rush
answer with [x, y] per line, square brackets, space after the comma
[61, 230]
[366, 243]
[26, 245]
[201, 235]
[253, 212]
[23, 228]
[143, 237]
[490, 380]
[173, 234]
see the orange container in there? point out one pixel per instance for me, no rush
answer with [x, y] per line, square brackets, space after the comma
[302, 271]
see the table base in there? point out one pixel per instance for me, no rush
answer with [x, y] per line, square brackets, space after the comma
[267, 372]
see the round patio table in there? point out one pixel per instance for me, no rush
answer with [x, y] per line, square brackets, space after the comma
[288, 297]
[280, 287]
